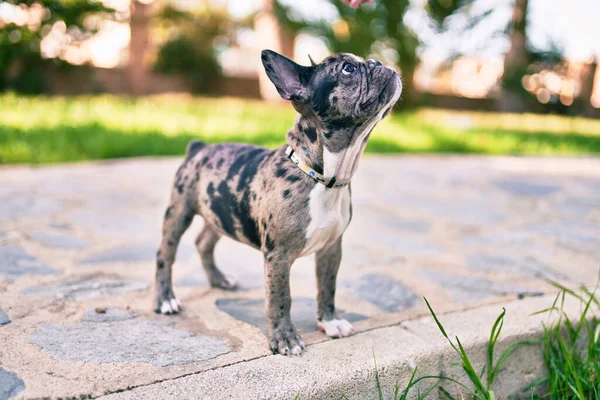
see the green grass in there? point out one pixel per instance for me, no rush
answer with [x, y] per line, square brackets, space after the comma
[570, 348]
[58, 129]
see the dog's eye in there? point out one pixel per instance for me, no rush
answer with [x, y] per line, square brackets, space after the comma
[348, 68]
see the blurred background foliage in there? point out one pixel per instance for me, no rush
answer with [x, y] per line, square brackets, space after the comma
[131, 49]
[23, 67]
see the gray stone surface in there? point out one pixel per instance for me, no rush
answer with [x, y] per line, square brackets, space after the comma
[246, 279]
[101, 314]
[416, 222]
[401, 243]
[10, 384]
[16, 262]
[27, 206]
[383, 291]
[470, 288]
[110, 222]
[128, 340]
[144, 252]
[526, 186]
[526, 266]
[4, 318]
[59, 240]
[304, 311]
[86, 287]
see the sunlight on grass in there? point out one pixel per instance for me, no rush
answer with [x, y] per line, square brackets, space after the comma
[59, 129]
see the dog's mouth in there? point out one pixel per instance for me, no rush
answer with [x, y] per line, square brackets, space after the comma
[383, 97]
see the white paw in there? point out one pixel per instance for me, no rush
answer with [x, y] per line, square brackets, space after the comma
[336, 328]
[230, 282]
[296, 350]
[170, 306]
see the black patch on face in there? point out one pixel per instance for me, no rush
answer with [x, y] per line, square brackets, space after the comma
[311, 134]
[160, 264]
[286, 193]
[334, 99]
[320, 99]
[210, 189]
[180, 188]
[220, 162]
[205, 160]
[169, 212]
[342, 123]
[292, 178]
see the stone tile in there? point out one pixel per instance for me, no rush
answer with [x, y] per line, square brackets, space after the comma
[571, 231]
[242, 262]
[526, 187]
[125, 341]
[356, 255]
[386, 293]
[16, 262]
[113, 222]
[526, 266]
[27, 206]
[86, 287]
[303, 313]
[464, 211]
[400, 243]
[4, 318]
[59, 240]
[10, 384]
[469, 289]
[106, 315]
[144, 252]
[246, 279]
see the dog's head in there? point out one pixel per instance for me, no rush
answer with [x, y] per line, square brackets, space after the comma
[344, 93]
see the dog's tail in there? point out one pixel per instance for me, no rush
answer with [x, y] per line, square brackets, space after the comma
[193, 148]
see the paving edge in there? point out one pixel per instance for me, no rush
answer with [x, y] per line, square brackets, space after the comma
[331, 368]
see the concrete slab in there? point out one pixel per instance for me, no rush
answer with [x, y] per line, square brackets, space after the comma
[465, 232]
[337, 367]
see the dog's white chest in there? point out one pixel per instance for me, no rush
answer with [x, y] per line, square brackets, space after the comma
[329, 217]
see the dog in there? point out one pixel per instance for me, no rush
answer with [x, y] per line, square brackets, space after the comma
[289, 202]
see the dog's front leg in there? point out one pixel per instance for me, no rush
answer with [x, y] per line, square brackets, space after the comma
[328, 263]
[283, 338]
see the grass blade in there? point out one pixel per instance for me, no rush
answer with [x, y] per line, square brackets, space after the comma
[379, 390]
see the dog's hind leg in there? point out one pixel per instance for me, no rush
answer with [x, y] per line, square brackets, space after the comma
[205, 242]
[178, 217]
[328, 263]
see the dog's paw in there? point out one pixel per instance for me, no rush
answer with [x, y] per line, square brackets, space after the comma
[336, 328]
[167, 304]
[222, 281]
[171, 306]
[285, 340]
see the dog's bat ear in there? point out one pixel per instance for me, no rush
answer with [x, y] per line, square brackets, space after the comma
[289, 78]
[311, 61]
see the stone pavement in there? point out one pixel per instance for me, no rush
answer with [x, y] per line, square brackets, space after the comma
[77, 245]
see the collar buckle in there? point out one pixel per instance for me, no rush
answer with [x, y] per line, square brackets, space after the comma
[329, 182]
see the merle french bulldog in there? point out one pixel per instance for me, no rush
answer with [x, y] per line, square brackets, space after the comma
[289, 202]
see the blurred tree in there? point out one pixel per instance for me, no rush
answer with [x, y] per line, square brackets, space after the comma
[368, 30]
[22, 66]
[191, 38]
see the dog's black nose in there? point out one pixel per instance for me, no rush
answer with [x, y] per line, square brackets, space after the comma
[373, 63]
